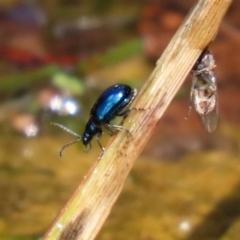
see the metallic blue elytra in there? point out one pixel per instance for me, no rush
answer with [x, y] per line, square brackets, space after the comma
[111, 103]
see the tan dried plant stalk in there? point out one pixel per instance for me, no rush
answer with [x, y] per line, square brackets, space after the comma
[88, 208]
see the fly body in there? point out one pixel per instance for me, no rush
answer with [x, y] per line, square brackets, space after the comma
[203, 97]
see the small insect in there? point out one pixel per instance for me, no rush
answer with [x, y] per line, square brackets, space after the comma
[203, 96]
[111, 103]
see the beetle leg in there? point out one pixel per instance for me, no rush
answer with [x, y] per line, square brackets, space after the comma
[124, 114]
[90, 147]
[100, 145]
[118, 127]
[109, 129]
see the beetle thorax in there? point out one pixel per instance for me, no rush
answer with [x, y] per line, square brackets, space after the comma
[90, 131]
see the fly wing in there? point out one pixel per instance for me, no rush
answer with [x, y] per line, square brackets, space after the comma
[209, 121]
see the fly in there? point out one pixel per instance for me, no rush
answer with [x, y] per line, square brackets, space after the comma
[203, 96]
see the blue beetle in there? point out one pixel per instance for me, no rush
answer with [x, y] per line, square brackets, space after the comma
[111, 103]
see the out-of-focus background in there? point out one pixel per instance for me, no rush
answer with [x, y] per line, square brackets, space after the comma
[56, 57]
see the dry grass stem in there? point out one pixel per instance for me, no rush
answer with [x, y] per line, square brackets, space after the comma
[88, 208]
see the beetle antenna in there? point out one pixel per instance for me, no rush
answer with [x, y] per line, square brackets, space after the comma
[69, 131]
[67, 145]
[66, 129]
